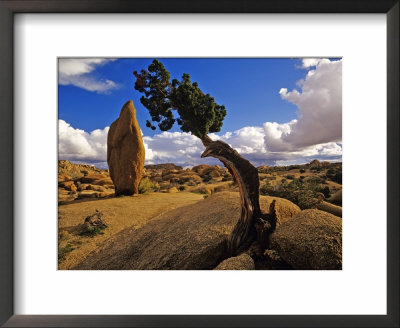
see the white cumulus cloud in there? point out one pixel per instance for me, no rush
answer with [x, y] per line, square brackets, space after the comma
[319, 103]
[316, 133]
[79, 145]
[77, 72]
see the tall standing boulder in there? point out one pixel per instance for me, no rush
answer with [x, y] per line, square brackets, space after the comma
[125, 151]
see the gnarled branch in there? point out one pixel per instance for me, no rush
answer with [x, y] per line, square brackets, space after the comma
[246, 176]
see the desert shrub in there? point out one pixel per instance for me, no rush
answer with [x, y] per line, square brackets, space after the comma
[290, 177]
[334, 175]
[147, 185]
[337, 177]
[326, 191]
[316, 180]
[94, 231]
[302, 193]
[63, 251]
[207, 178]
[302, 171]
[302, 177]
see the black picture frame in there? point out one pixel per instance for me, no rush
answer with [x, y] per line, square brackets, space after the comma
[10, 7]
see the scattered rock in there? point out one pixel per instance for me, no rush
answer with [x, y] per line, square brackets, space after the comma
[125, 151]
[166, 166]
[241, 262]
[68, 185]
[311, 240]
[330, 208]
[207, 170]
[92, 178]
[95, 188]
[284, 208]
[87, 194]
[314, 163]
[63, 177]
[76, 171]
[94, 223]
[336, 198]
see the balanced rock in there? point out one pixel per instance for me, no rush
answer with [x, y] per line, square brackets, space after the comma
[125, 151]
[310, 240]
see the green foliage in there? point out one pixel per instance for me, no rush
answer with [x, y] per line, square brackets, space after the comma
[303, 193]
[146, 185]
[335, 175]
[63, 251]
[94, 231]
[198, 112]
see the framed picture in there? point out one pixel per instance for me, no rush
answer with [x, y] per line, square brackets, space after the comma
[58, 58]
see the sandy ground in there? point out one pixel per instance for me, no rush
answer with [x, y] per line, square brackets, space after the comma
[119, 214]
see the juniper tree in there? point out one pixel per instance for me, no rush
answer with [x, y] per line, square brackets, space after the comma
[184, 103]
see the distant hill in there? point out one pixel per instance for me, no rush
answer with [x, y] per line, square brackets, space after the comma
[166, 166]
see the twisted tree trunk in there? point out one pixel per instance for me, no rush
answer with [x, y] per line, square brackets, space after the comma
[252, 225]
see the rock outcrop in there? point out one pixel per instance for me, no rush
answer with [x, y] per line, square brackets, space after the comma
[330, 208]
[125, 151]
[241, 262]
[315, 163]
[284, 209]
[192, 237]
[336, 198]
[311, 240]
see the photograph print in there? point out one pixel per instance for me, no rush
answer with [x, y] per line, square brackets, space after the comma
[199, 163]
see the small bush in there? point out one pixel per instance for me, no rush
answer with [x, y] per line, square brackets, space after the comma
[302, 171]
[93, 232]
[326, 191]
[302, 193]
[147, 185]
[63, 251]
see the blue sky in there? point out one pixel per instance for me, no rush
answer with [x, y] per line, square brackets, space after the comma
[279, 111]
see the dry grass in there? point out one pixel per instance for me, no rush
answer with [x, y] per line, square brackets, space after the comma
[119, 213]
